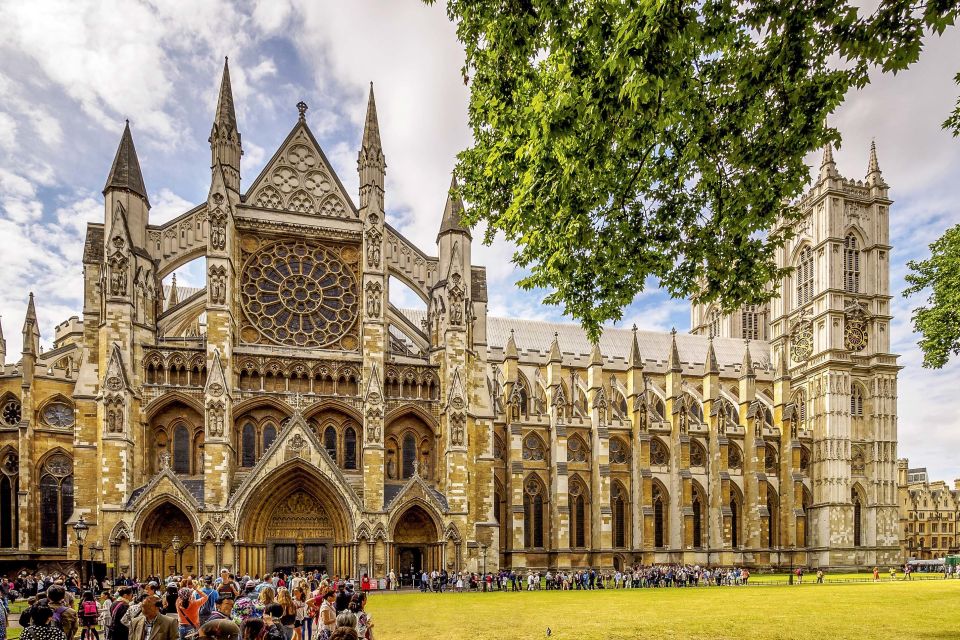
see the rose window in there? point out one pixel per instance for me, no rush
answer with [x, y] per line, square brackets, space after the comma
[11, 412]
[300, 293]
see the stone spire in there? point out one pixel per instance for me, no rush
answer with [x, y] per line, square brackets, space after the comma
[746, 370]
[874, 177]
[371, 164]
[225, 144]
[828, 168]
[173, 298]
[125, 174]
[453, 212]
[635, 360]
[555, 350]
[3, 347]
[710, 365]
[596, 358]
[673, 364]
[31, 334]
[783, 370]
[511, 348]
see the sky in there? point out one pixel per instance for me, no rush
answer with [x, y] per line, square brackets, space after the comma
[74, 70]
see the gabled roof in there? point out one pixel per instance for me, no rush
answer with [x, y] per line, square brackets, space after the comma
[307, 188]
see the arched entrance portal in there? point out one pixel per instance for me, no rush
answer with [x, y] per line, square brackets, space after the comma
[416, 543]
[296, 521]
[166, 543]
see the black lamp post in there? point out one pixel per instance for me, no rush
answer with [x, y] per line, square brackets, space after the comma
[483, 550]
[95, 548]
[80, 530]
[175, 543]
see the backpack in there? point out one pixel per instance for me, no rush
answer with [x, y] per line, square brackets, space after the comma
[90, 609]
[273, 632]
[66, 619]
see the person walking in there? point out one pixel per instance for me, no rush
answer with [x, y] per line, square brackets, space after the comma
[88, 612]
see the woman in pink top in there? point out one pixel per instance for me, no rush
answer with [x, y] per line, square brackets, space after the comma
[189, 602]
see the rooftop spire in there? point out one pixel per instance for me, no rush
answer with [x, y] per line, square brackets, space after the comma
[674, 362]
[172, 300]
[710, 366]
[371, 125]
[453, 211]
[555, 349]
[226, 116]
[746, 370]
[125, 173]
[828, 168]
[31, 317]
[635, 360]
[596, 358]
[511, 349]
[874, 177]
[31, 335]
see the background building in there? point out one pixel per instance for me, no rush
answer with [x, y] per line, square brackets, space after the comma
[288, 414]
[929, 515]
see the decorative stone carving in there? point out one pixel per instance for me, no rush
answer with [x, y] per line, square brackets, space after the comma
[118, 276]
[114, 415]
[801, 339]
[374, 424]
[456, 293]
[374, 238]
[855, 336]
[215, 416]
[374, 292]
[297, 442]
[458, 424]
[218, 228]
[218, 284]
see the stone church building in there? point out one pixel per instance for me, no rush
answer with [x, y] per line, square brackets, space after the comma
[288, 415]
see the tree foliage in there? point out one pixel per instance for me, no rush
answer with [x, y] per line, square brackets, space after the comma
[938, 323]
[616, 141]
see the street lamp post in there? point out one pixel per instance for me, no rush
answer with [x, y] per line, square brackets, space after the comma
[175, 543]
[483, 550]
[95, 548]
[80, 530]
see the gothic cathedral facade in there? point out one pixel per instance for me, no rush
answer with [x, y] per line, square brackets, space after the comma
[287, 414]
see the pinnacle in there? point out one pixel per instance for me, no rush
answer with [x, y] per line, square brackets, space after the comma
[873, 168]
[453, 211]
[31, 310]
[674, 362]
[511, 348]
[555, 349]
[711, 366]
[783, 371]
[125, 173]
[226, 115]
[635, 360]
[173, 300]
[596, 358]
[746, 369]
[371, 125]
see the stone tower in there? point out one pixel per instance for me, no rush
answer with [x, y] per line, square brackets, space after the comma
[832, 321]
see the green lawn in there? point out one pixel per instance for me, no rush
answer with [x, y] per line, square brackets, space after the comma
[927, 609]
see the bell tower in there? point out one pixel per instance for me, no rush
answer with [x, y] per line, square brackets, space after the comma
[832, 320]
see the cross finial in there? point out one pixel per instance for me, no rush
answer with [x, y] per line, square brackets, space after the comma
[297, 401]
[302, 108]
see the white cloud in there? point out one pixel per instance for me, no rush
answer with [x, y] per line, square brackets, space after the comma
[165, 205]
[8, 132]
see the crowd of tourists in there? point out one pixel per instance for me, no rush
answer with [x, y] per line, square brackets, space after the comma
[301, 606]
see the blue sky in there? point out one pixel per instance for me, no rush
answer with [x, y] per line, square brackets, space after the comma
[74, 70]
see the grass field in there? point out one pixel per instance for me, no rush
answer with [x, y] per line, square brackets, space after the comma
[927, 609]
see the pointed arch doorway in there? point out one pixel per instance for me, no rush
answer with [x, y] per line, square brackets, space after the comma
[416, 542]
[167, 542]
[296, 519]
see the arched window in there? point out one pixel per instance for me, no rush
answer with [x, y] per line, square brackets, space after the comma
[727, 415]
[248, 446]
[714, 323]
[698, 454]
[734, 457]
[659, 516]
[750, 322]
[806, 505]
[857, 518]
[9, 500]
[350, 448]
[804, 276]
[56, 500]
[770, 456]
[851, 264]
[578, 513]
[577, 450]
[773, 508]
[181, 449]
[533, 513]
[699, 503]
[330, 441]
[800, 404]
[619, 451]
[618, 506]
[659, 454]
[734, 523]
[534, 449]
[856, 401]
[269, 435]
[409, 455]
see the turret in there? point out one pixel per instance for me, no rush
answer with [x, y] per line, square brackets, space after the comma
[634, 368]
[225, 146]
[371, 164]
[874, 178]
[126, 193]
[828, 168]
[510, 359]
[674, 368]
